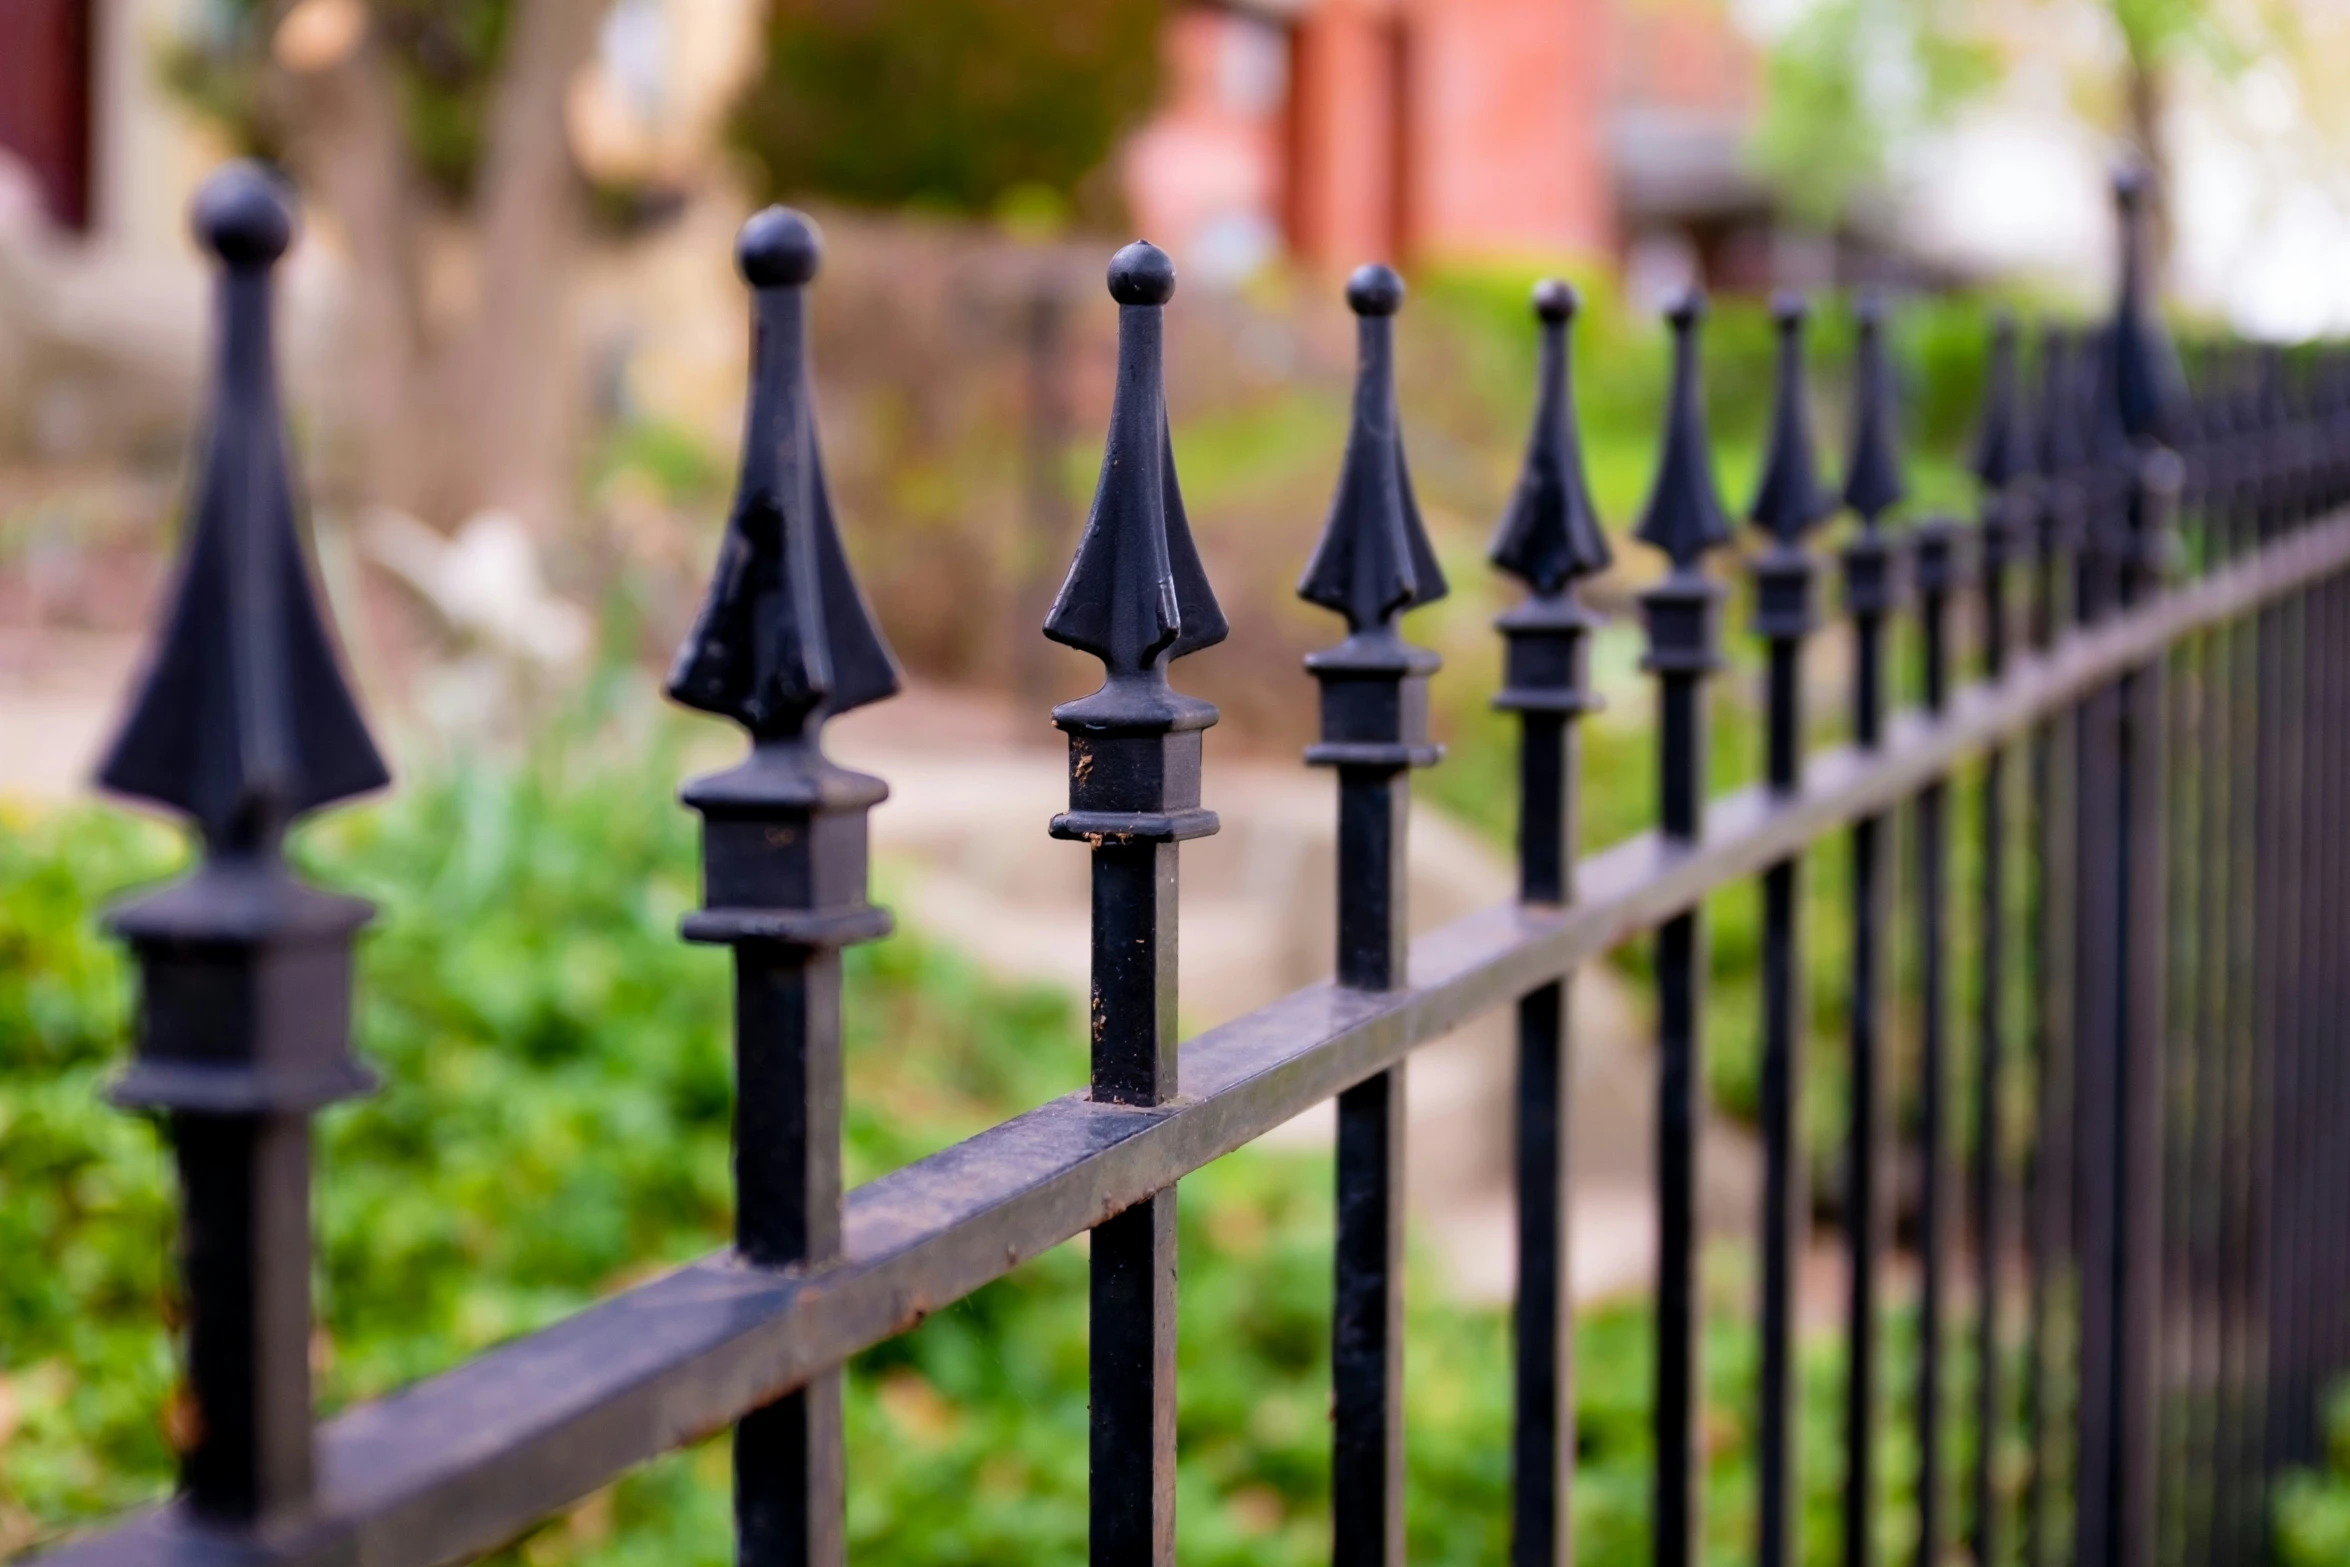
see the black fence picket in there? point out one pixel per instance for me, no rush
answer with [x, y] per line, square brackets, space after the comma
[2156, 736]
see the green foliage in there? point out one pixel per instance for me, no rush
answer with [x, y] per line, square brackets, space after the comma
[1852, 82]
[2313, 1505]
[969, 106]
[554, 1125]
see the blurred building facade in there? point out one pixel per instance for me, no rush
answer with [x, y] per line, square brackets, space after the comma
[1340, 130]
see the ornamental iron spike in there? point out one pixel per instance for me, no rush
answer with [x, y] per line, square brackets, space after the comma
[1873, 484]
[784, 634]
[2001, 446]
[2144, 370]
[2063, 446]
[243, 719]
[1373, 561]
[1136, 593]
[1551, 535]
[1685, 517]
[1790, 501]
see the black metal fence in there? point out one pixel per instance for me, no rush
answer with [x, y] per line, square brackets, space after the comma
[2155, 733]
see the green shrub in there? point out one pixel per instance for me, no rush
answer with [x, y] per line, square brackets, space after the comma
[554, 1126]
[953, 105]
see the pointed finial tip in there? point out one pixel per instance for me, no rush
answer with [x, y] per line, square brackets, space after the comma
[243, 216]
[1142, 274]
[1555, 300]
[779, 248]
[1687, 309]
[1374, 290]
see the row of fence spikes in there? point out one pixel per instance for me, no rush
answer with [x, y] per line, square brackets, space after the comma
[243, 720]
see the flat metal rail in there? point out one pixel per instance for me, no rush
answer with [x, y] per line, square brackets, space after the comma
[459, 1463]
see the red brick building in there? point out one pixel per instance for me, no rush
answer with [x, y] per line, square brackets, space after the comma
[1345, 129]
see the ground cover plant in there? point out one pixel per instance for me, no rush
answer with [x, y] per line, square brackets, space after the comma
[554, 1125]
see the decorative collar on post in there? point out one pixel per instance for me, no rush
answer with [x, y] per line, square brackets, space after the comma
[1373, 564]
[783, 642]
[1684, 517]
[1136, 598]
[2144, 390]
[1873, 483]
[1550, 538]
[1790, 501]
[243, 723]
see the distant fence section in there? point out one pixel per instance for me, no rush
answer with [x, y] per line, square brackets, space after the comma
[2135, 675]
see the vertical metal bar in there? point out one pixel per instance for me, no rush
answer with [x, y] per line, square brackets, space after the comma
[1788, 505]
[2245, 834]
[1137, 599]
[2002, 472]
[783, 868]
[1549, 538]
[1373, 563]
[2124, 1031]
[242, 723]
[2056, 521]
[1685, 520]
[1933, 545]
[1872, 487]
[788, 1479]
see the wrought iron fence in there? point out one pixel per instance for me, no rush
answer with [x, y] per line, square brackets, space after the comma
[2154, 739]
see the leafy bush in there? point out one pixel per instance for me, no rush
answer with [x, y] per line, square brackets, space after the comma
[953, 105]
[2313, 1505]
[554, 1126]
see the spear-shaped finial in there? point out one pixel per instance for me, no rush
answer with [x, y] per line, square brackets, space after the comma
[1373, 561]
[1873, 484]
[1685, 517]
[243, 719]
[1136, 596]
[1790, 501]
[2002, 453]
[2144, 367]
[785, 633]
[1550, 536]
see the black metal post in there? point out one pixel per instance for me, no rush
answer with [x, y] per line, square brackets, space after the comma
[1873, 486]
[1934, 548]
[2123, 1023]
[2002, 464]
[243, 723]
[1136, 598]
[1788, 505]
[1549, 538]
[2058, 529]
[784, 642]
[1685, 520]
[1373, 564]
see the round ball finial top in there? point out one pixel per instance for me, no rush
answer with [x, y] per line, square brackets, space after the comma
[1142, 274]
[242, 215]
[778, 248]
[1555, 299]
[1687, 308]
[1374, 290]
[1789, 309]
[2130, 180]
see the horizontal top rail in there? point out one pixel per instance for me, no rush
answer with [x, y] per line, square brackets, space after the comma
[465, 1460]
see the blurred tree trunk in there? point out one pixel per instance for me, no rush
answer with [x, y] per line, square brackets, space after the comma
[451, 411]
[2148, 95]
